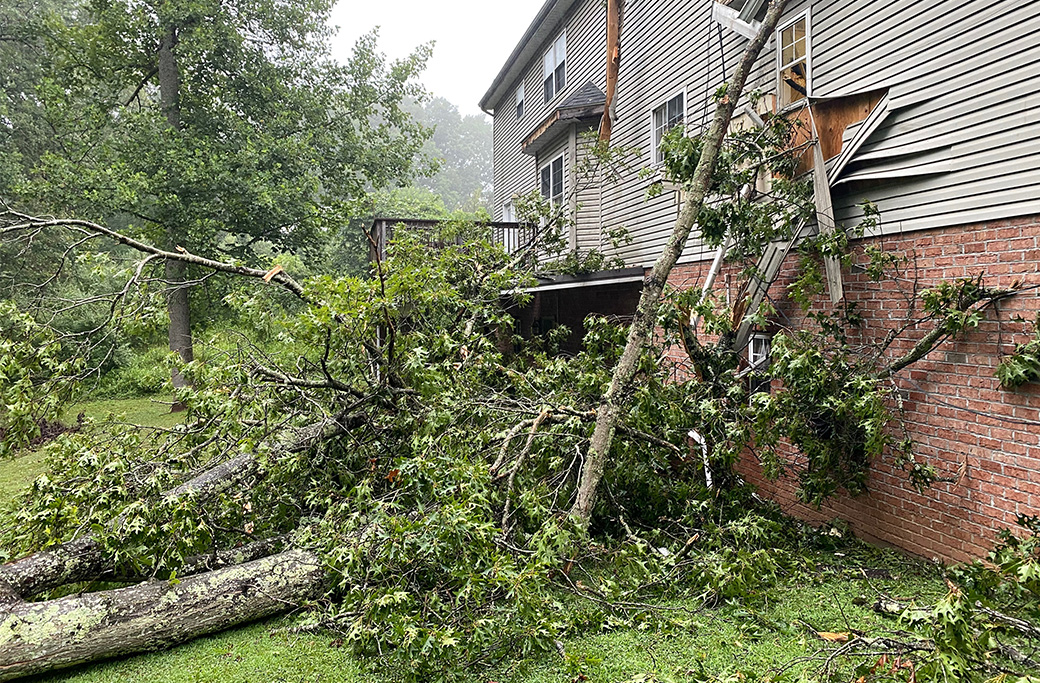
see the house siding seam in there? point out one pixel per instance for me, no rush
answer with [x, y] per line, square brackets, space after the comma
[515, 173]
[954, 169]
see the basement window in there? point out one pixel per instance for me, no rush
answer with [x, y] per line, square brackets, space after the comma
[793, 52]
[667, 116]
[758, 357]
[554, 70]
[520, 101]
[552, 181]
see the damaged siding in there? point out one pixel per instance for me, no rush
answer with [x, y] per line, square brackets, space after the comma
[960, 144]
[956, 145]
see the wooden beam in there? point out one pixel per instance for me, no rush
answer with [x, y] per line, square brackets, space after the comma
[613, 66]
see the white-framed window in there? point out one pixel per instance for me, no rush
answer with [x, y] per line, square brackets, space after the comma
[520, 100]
[793, 59]
[552, 181]
[758, 351]
[667, 116]
[508, 212]
[554, 67]
[758, 355]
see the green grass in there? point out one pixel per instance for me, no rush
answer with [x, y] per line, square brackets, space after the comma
[764, 634]
[252, 654]
[20, 471]
[148, 412]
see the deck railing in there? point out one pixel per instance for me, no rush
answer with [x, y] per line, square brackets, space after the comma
[511, 236]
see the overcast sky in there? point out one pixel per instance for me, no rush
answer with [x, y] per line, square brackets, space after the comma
[473, 38]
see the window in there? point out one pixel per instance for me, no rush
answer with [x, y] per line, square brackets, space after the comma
[520, 101]
[554, 72]
[758, 363]
[552, 181]
[508, 212]
[667, 116]
[793, 61]
[758, 352]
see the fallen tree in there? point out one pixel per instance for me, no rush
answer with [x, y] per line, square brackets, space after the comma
[42, 636]
[374, 444]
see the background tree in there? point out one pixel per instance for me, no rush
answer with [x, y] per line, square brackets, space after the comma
[215, 125]
[461, 144]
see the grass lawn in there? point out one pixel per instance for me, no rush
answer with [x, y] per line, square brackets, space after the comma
[764, 635]
[19, 472]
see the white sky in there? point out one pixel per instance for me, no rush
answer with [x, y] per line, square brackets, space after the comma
[473, 38]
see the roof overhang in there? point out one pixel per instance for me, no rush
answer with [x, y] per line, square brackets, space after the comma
[541, 30]
[600, 278]
[557, 123]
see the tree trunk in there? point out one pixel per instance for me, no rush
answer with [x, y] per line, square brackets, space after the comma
[618, 394]
[176, 271]
[43, 636]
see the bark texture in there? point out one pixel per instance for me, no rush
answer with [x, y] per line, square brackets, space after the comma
[176, 271]
[43, 636]
[618, 394]
[73, 562]
[83, 559]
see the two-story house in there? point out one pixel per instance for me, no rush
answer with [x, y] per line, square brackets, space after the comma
[928, 109]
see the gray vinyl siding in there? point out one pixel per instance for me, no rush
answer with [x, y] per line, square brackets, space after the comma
[669, 46]
[960, 142]
[588, 188]
[962, 139]
[516, 172]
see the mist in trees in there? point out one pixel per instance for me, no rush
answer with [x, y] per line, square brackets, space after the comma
[461, 147]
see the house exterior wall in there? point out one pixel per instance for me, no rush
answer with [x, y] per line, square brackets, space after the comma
[958, 144]
[982, 438]
[953, 165]
[515, 172]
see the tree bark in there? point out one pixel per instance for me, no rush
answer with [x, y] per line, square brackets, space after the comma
[177, 302]
[618, 393]
[43, 636]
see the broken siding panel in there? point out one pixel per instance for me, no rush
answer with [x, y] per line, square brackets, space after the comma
[953, 104]
[977, 108]
[515, 172]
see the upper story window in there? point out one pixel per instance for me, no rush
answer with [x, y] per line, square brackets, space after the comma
[554, 67]
[520, 101]
[667, 116]
[509, 212]
[793, 61]
[552, 181]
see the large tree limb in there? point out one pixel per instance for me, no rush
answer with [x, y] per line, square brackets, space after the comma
[84, 560]
[43, 636]
[19, 222]
[618, 394]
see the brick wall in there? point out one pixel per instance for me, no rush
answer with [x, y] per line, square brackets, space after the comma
[984, 439]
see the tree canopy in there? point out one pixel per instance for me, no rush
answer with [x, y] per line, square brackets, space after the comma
[384, 447]
[210, 125]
